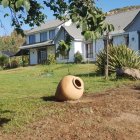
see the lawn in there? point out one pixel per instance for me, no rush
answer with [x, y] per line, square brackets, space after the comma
[23, 91]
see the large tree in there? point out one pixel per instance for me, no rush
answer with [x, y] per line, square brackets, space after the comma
[12, 42]
[83, 12]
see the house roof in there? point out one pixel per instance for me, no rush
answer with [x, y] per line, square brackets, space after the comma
[7, 53]
[47, 25]
[73, 31]
[22, 52]
[121, 20]
[40, 44]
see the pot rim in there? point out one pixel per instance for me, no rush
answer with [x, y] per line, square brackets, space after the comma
[77, 82]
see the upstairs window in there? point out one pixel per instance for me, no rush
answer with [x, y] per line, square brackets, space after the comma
[43, 36]
[89, 50]
[51, 34]
[31, 39]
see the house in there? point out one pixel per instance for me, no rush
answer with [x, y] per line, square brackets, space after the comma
[43, 40]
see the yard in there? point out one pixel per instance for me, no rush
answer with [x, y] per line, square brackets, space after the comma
[108, 110]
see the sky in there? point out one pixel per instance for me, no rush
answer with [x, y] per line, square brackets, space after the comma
[105, 5]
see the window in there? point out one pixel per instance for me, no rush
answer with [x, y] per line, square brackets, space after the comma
[31, 39]
[43, 36]
[89, 50]
[51, 34]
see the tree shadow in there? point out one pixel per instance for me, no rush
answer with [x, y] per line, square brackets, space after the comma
[6, 111]
[49, 99]
[4, 121]
[137, 88]
[87, 75]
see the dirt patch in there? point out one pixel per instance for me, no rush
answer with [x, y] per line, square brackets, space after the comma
[111, 115]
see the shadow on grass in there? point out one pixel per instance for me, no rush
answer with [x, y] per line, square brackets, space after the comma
[87, 75]
[6, 111]
[4, 121]
[49, 98]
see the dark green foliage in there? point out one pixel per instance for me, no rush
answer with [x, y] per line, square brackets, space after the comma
[119, 57]
[3, 60]
[24, 12]
[78, 57]
[64, 46]
[82, 12]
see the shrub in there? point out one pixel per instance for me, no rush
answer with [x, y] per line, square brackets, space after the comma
[51, 59]
[14, 64]
[3, 60]
[78, 57]
[119, 57]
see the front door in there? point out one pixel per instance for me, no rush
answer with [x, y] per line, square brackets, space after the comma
[42, 56]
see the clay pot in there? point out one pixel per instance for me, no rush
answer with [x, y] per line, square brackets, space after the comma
[69, 88]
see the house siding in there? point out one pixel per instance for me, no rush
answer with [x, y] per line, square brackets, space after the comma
[135, 25]
[119, 40]
[134, 40]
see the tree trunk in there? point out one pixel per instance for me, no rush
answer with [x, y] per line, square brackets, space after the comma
[107, 61]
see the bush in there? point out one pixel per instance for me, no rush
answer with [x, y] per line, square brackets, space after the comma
[51, 59]
[119, 57]
[14, 64]
[3, 60]
[78, 57]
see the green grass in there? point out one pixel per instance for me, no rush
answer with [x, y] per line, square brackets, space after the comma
[22, 91]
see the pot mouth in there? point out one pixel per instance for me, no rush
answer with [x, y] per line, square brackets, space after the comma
[77, 83]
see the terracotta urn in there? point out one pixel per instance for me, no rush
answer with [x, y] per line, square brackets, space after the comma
[69, 88]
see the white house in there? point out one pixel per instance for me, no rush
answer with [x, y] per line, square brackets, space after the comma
[43, 40]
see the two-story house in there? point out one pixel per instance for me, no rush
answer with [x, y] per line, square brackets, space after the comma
[43, 40]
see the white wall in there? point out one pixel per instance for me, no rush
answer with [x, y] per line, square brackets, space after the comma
[33, 57]
[134, 40]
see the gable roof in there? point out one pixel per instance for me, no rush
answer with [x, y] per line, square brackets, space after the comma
[48, 25]
[74, 32]
[121, 20]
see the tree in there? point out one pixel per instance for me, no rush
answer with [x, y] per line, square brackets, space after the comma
[12, 42]
[64, 48]
[24, 12]
[82, 12]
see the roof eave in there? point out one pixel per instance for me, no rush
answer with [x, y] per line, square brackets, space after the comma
[47, 43]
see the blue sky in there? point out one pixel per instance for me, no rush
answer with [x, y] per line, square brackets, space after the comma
[105, 5]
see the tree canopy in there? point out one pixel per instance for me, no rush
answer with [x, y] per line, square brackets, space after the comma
[11, 43]
[82, 12]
